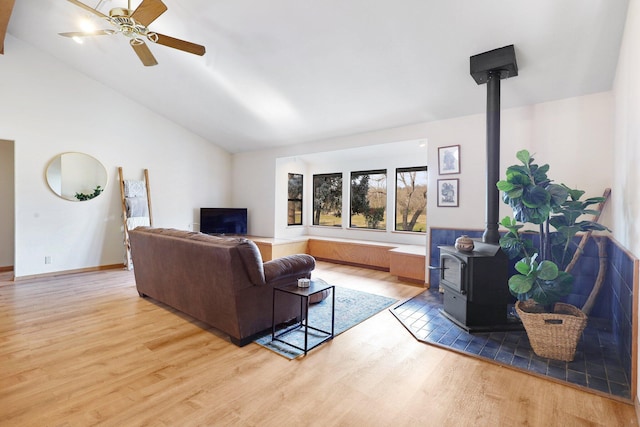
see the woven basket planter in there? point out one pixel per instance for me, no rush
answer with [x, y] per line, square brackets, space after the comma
[552, 335]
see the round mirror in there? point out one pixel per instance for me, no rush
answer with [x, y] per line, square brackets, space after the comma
[76, 176]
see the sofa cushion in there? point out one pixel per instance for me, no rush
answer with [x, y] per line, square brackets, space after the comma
[288, 266]
[252, 260]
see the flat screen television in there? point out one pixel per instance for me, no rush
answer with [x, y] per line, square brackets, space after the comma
[223, 221]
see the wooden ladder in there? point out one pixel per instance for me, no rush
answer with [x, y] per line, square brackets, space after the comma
[128, 262]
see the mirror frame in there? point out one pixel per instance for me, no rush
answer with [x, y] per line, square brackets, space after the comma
[76, 192]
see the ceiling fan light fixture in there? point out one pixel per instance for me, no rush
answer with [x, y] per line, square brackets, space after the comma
[134, 25]
[87, 24]
[119, 12]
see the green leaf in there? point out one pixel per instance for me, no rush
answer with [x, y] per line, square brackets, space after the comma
[558, 221]
[518, 175]
[558, 193]
[515, 193]
[564, 283]
[543, 296]
[504, 186]
[569, 232]
[535, 216]
[520, 284]
[539, 174]
[535, 197]
[512, 246]
[590, 212]
[547, 270]
[524, 156]
[507, 222]
[543, 169]
[575, 194]
[594, 200]
[590, 225]
[523, 267]
[549, 292]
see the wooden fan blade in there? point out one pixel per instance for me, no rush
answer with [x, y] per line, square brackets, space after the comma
[88, 8]
[148, 11]
[6, 7]
[143, 52]
[196, 49]
[87, 33]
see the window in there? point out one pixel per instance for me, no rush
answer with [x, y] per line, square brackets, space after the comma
[294, 207]
[411, 199]
[327, 199]
[369, 199]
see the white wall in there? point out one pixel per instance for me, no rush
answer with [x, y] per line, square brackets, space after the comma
[573, 135]
[626, 148]
[253, 186]
[626, 203]
[6, 203]
[48, 109]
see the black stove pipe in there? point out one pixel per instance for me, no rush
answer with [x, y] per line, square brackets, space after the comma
[491, 234]
[490, 67]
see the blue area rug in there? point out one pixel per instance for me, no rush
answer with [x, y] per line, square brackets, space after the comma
[352, 307]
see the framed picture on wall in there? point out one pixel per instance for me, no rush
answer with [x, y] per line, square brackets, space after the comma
[449, 159]
[448, 192]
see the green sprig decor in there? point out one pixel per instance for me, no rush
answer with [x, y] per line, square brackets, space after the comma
[96, 193]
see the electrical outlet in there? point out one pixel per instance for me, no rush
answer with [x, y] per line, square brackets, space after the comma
[47, 260]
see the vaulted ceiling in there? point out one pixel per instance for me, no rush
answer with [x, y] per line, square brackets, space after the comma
[282, 72]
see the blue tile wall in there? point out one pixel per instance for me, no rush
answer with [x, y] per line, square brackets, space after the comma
[619, 281]
[614, 303]
[585, 273]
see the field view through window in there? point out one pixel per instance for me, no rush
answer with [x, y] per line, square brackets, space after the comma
[327, 199]
[369, 199]
[411, 199]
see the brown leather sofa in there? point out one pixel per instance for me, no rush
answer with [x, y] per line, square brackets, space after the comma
[221, 281]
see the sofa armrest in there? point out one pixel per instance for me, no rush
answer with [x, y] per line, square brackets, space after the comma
[297, 266]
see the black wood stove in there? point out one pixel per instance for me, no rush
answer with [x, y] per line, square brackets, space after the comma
[476, 293]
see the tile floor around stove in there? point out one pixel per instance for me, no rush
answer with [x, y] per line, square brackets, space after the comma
[596, 365]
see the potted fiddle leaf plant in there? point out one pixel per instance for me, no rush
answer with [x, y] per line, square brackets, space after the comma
[540, 281]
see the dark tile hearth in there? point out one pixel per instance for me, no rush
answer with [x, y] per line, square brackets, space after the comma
[597, 365]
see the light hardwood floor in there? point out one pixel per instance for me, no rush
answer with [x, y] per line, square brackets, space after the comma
[84, 349]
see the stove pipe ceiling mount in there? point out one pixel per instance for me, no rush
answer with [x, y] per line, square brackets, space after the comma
[491, 67]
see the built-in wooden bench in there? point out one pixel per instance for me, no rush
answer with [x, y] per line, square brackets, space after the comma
[271, 248]
[408, 262]
[354, 252]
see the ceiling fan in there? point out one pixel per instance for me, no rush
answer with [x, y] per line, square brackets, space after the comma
[134, 25]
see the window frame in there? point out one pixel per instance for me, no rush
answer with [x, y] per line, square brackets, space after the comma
[339, 175]
[298, 202]
[396, 213]
[351, 192]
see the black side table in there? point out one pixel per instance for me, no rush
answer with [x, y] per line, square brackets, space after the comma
[316, 286]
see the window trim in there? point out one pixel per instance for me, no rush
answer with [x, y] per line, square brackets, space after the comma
[395, 204]
[386, 207]
[313, 196]
[299, 201]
